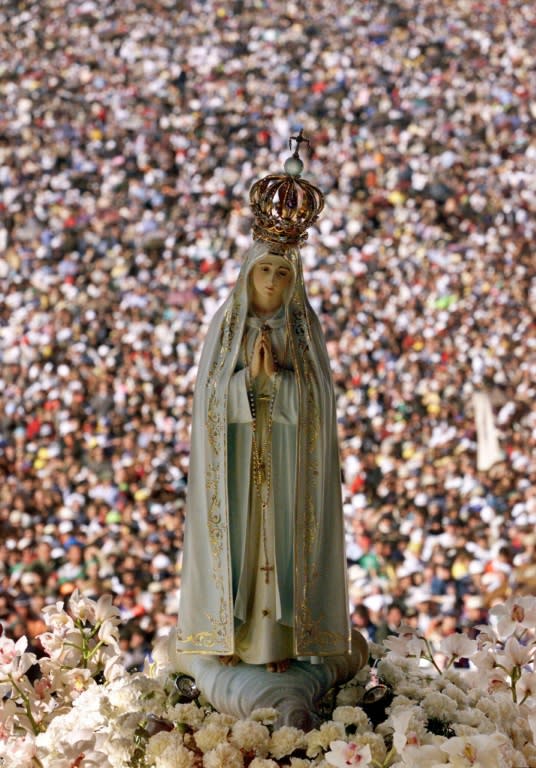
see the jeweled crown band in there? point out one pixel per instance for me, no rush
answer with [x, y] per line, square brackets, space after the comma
[284, 205]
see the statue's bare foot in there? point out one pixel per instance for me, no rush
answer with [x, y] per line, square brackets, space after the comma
[278, 666]
[229, 661]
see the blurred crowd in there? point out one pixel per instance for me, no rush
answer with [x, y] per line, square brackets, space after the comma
[130, 134]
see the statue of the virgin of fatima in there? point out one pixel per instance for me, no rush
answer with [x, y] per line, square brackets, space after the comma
[264, 568]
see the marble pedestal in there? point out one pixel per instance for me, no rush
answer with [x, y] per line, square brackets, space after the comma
[241, 689]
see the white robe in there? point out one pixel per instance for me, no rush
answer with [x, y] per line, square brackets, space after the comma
[222, 596]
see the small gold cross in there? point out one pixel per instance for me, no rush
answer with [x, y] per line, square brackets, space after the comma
[267, 568]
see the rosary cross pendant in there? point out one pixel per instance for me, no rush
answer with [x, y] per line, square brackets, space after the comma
[267, 568]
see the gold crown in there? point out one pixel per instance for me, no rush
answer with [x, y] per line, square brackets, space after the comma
[284, 205]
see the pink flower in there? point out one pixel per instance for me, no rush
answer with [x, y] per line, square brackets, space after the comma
[13, 658]
[343, 754]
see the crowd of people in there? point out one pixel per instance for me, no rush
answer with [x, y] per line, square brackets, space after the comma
[130, 134]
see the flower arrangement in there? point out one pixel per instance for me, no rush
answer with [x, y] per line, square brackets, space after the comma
[79, 708]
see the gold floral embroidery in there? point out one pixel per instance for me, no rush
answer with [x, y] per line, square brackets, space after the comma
[206, 641]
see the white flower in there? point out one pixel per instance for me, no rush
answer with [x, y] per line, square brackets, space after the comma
[261, 762]
[108, 633]
[250, 736]
[14, 660]
[162, 651]
[285, 741]
[321, 738]
[531, 719]
[454, 692]
[74, 682]
[515, 614]
[123, 696]
[423, 756]
[484, 659]
[65, 647]
[515, 654]
[526, 685]
[475, 719]
[209, 736]
[406, 643]
[351, 716]
[65, 739]
[166, 750]
[114, 669]
[57, 619]
[18, 751]
[458, 646]
[188, 714]
[375, 743]
[494, 681]
[343, 753]
[225, 755]
[438, 705]
[476, 751]
[487, 638]
[350, 695]
[106, 611]
[265, 715]
[220, 718]
[400, 722]
[81, 607]
[396, 670]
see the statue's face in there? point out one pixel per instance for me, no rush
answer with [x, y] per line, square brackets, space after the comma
[270, 278]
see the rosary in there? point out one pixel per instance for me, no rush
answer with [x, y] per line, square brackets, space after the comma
[262, 458]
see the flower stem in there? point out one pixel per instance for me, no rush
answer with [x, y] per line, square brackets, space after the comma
[27, 707]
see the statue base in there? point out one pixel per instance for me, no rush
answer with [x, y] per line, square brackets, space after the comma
[241, 689]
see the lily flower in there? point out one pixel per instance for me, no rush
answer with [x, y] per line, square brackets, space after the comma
[344, 754]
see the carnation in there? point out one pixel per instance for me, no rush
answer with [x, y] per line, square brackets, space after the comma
[390, 672]
[376, 744]
[118, 750]
[64, 739]
[320, 739]
[225, 755]
[299, 762]
[475, 718]
[488, 707]
[209, 736]
[165, 750]
[352, 716]
[250, 736]
[260, 762]
[220, 718]
[286, 740]
[456, 694]
[529, 753]
[266, 715]
[18, 752]
[187, 714]
[439, 706]
[162, 741]
[412, 690]
[123, 696]
[349, 696]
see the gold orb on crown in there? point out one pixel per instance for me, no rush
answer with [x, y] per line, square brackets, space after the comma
[284, 205]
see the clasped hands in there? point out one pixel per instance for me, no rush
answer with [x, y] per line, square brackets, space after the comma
[263, 360]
